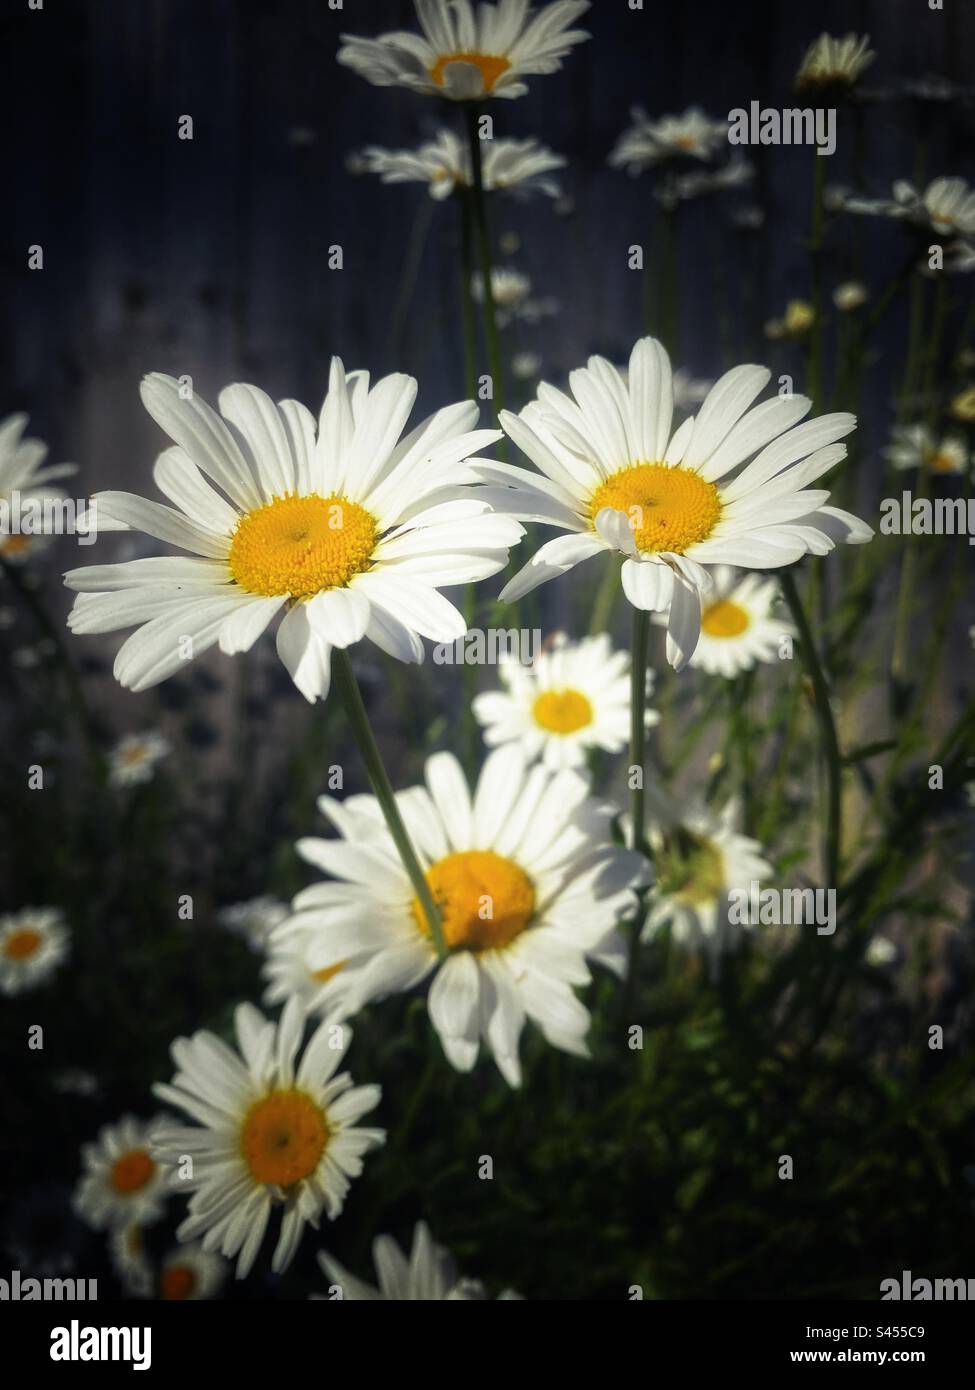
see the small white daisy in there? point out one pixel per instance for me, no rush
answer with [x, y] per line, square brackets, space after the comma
[294, 967]
[123, 1182]
[880, 952]
[851, 295]
[33, 943]
[466, 55]
[510, 289]
[738, 626]
[525, 365]
[946, 207]
[574, 697]
[528, 884]
[520, 167]
[914, 446]
[649, 142]
[254, 920]
[268, 1133]
[133, 759]
[349, 531]
[23, 475]
[190, 1274]
[698, 856]
[832, 62]
[429, 1275]
[613, 477]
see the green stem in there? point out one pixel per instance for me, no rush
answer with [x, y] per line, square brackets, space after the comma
[638, 728]
[602, 609]
[355, 710]
[484, 256]
[827, 728]
[816, 259]
[469, 670]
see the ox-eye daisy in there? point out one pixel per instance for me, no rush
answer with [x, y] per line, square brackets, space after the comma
[520, 167]
[738, 626]
[469, 55]
[33, 943]
[429, 1275]
[574, 697]
[946, 207]
[133, 759]
[191, 1274]
[834, 64]
[269, 1132]
[613, 477]
[699, 857]
[25, 491]
[693, 135]
[123, 1183]
[348, 531]
[294, 967]
[528, 886]
[915, 446]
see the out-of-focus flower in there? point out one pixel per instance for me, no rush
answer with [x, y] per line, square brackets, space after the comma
[798, 320]
[881, 951]
[914, 446]
[683, 188]
[739, 628]
[521, 167]
[130, 1260]
[254, 920]
[122, 1182]
[834, 63]
[271, 1131]
[468, 55]
[190, 1273]
[699, 858]
[962, 406]
[613, 476]
[428, 1275]
[651, 141]
[33, 943]
[133, 759]
[22, 474]
[945, 207]
[525, 365]
[574, 697]
[293, 967]
[849, 296]
[529, 886]
[349, 534]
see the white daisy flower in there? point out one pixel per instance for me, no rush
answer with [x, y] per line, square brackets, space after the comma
[574, 697]
[914, 446]
[613, 477]
[123, 1182]
[133, 759]
[738, 172]
[33, 943]
[738, 629]
[946, 207]
[293, 967]
[350, 534]
[466, 55]
[521, 167]
[832, 62]
[130, 1260]
[191, 1274]
[648, 141]
[528, 885]
[699, 857]
[429, 1275]
[510, 290]
[22, 474]
[254, 920]
[881, 951]
[525, 365]
[851, 295]
[268, 1133]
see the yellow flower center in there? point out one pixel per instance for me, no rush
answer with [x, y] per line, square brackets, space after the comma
[283, 1137]
[485, 901]
[302, 545]
[21, 944]
[328, 971]
[131, 1172]
[177, 1281]
[941, 462]
[491, 66]
[669, 508]
[686, 142]
[690, 868]
[562, 711]
[725, 619]
[15, 544]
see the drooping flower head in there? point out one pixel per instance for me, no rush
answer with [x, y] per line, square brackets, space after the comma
[832, 65]
[529, 888]
[612, 476]
[519, 167]
[466, 54]
[344, 530]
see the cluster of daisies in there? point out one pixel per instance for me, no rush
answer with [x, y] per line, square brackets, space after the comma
[346, 526]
